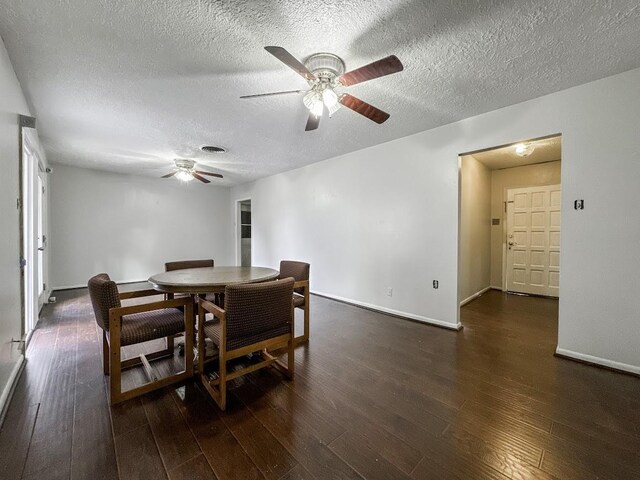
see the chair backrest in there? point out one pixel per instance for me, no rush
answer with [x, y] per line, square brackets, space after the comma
[256, 308]
[297, 270]
[182, 264]
[104, 296]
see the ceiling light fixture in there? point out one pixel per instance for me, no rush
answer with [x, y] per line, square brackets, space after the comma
[325, 73]
[184, 176]
[185, 170]
[524, 149]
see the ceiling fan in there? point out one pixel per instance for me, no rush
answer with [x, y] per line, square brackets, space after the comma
[325, 73]
[185, 171]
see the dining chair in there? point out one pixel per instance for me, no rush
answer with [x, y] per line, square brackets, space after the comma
[257, 317]
[128, 325]
[216, 298]
[300, 272]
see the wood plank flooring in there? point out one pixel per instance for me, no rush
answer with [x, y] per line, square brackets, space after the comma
[374, 397]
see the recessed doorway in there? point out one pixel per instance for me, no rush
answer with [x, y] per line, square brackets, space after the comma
[510, 219]
[244, 234]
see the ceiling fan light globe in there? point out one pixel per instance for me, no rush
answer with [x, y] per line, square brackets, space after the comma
[184, 176]
[317, 108]
[311, 98]
[329, 97]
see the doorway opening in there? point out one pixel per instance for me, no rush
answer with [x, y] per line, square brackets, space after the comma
[509, 222]
[243, 255]
[33, 228]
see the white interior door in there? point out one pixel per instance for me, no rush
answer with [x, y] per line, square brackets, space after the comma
[33, 230]
[533, 240]
[41, 239]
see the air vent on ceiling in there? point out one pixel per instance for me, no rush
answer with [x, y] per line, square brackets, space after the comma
[213, 149]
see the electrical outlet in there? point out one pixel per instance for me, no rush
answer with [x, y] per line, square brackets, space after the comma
[389, 292]
[435, 284]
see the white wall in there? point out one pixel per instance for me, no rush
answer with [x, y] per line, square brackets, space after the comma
[388, 216]
[526, 176]
[128, 226]
[12, 103]
[475, 228]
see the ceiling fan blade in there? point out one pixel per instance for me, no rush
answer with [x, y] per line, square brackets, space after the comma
[169, 174]
[202, 179]
[312, 122]
[363, 108]
[291, 62]
[209, 173]
[271, 94]
[379, 68]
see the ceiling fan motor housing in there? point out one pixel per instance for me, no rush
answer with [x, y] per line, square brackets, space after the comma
[184, 164]
[325, 66]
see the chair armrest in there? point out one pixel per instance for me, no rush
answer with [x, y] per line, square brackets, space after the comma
[148, 307]
[301, 284]
[212, 308]
[138, 293]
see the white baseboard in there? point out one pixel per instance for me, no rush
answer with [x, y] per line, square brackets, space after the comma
[598, 361]
[390, 311]
[474, 296]
[7, 392]
[493, 287]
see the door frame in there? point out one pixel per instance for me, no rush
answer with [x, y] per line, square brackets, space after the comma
[238, 241]
[28, 175]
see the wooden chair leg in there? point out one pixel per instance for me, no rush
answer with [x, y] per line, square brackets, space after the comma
[223, 383]
[306, 320]
[291, 358]
[170, 342]
[115, 369]
[188, 340]
[105, 353]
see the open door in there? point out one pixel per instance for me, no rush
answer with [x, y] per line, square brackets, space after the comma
[33, 230]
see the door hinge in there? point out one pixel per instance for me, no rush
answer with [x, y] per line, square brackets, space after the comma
[19, 203]
[44, 287]
[22, 262]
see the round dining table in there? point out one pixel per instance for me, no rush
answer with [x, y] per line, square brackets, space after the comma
[209, 279]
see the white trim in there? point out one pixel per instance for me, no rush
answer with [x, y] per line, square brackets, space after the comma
[471, 298]
[390, 311]
[599, 361]
[7, 393]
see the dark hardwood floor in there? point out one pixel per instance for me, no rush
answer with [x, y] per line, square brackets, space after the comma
[374, 397]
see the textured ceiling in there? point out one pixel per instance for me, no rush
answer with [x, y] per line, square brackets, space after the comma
[545, 150]
[127, 85]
